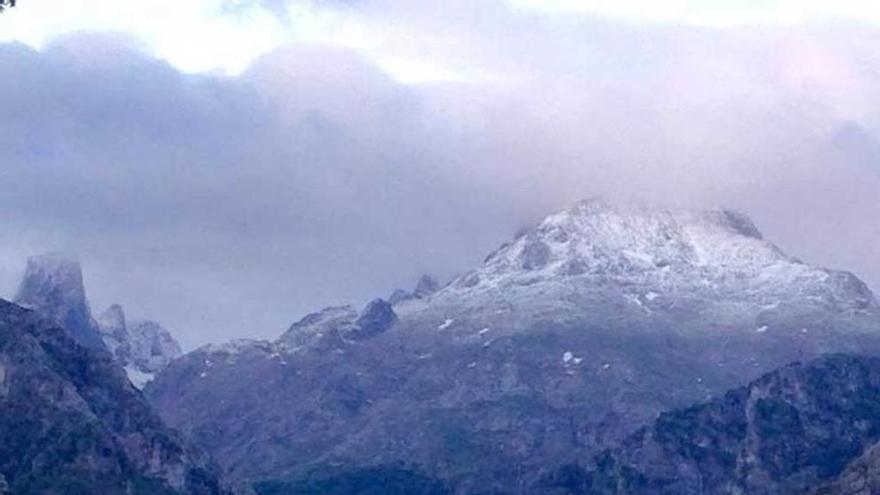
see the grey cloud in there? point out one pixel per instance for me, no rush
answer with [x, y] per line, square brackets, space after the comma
[228, 206]
[177, 190]
[857, 144]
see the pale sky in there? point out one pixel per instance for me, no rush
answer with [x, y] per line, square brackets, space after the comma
[227, 35]
[226, 166]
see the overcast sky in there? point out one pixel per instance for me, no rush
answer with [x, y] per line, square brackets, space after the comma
[225, 166]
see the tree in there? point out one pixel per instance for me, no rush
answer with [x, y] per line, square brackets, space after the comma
[6, 3]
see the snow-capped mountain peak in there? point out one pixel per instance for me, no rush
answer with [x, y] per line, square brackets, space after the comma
[637, 252]
[596, 235]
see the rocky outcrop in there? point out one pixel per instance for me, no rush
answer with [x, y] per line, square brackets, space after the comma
[375, 319]
[426, 286]
[53, 286]
[70, 422]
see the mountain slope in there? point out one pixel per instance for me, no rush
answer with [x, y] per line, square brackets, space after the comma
[567, 339]
[70, 422]
[785, 433]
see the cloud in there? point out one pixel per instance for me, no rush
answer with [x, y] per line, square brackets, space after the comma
[227, 206]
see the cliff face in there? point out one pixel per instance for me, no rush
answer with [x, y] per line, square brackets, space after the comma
[71, 423]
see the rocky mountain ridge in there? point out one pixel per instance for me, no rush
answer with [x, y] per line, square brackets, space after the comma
[561, 344]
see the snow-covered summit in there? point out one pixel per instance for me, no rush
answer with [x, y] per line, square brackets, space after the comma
[53, 286]
[649, 256]
[600, 237]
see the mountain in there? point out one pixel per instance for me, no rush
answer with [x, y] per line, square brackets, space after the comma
[53, 286]
[71, 423]
[143, 347]
[566, 340]
[785, 433]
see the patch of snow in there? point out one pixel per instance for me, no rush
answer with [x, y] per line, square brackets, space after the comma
[568, 358]
[762, 329]
[446, 324]
[138, 378]
[650, 296]
[484, 331]
[634, 299]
